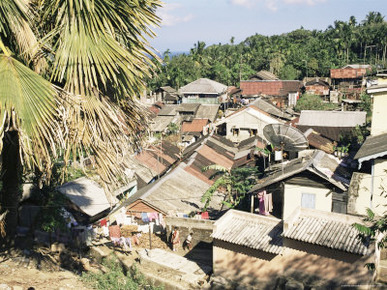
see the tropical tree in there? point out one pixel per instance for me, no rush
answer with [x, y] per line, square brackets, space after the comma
[235, 183]
[70, 73]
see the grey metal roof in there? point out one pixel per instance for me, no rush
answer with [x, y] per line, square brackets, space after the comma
[331, 230]
[168, 110]
[169, 89]
[250, 230]
[160, 123]
[87, 194]
[178, 191]
[332, 118]
[204, 86]
[207, 111]
[373, 147]
[265, 106]
[317, 162]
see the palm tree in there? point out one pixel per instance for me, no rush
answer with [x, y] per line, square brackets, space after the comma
[97, 55]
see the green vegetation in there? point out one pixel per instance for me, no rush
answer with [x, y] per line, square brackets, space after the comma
[313, 102]
[292, 55]
[234, 183]
[117, 278]
[374, 229]
[71, 72]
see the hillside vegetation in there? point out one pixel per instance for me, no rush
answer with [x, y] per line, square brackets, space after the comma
[290, 56]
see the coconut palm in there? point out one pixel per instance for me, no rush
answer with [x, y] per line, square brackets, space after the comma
[97, 55]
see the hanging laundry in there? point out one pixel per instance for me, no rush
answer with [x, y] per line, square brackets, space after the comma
[144, 217]
[103, 222]
[205, 215]
[154, 216]
[268, 203]
[261, 197]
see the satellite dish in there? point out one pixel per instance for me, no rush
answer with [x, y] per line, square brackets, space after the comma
[285, 137]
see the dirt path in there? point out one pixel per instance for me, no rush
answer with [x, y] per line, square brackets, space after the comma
[17, 275]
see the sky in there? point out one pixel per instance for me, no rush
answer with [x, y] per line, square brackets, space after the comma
[186, 22]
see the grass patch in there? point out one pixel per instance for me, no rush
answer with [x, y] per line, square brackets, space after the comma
[116, 277]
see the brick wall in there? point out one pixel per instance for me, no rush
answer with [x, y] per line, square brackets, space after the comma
[201, 229]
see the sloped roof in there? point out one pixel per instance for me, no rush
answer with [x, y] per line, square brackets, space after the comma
[318, 141]
[278, 88]
[331, 230]
[169, 90]
[348, 73]
[196, 125]
[204, 86]
[160, 123]
[365, 66]
[317, 81]
[168, 110]
[188, 107]
[154, 160]
[372, 148]
[250, 230]
[207, 111]
[253, 111]
[178, 191]
[264, 105]
[321, 164]
[87, 194]
[264, 75]
[332, 118]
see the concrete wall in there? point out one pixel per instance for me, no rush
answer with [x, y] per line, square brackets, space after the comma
[293, 195]
[201, 229]
[245, 120]
[256, 267]
[364, 185]
[379, 117]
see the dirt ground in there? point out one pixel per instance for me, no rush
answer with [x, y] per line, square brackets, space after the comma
[41, 268]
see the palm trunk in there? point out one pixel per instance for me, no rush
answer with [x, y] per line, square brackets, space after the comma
[10, 193]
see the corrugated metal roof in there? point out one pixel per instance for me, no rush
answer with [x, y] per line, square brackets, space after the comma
[196, 125]
[269, 108]
[331, 230]
[332, 118]
[319, 142]
[250, 230]
[87, 194]
[168, 110]
[264, 75]
[215, 157]
[373, 147]
[207, 111]
[177, 192]
[160, 123]
[317, 162]
[204, 86]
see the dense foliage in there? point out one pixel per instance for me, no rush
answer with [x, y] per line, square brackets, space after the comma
[293, 55]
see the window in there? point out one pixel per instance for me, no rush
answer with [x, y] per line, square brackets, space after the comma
[308, 200]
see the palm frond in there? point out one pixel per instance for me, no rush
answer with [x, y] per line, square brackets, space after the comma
[101, 42]
[15, 24]
[95, 126]
[27, 104]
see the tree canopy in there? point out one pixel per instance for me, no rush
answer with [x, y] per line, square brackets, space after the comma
[292, 55]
